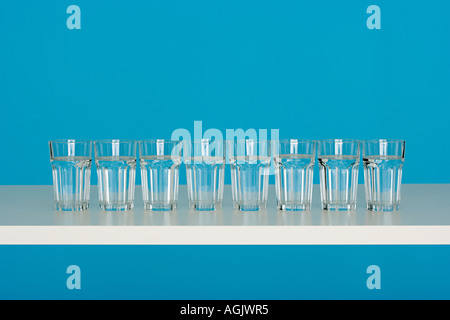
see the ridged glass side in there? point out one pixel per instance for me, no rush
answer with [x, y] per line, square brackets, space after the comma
[71, 182]
[383, 176]
[294, 181]
[205, 179]
[116, 181]
[160, 176]
[250, 179]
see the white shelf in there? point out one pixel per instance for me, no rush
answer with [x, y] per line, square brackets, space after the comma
[27, 217]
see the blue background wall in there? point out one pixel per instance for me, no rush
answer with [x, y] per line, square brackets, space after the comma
[141, 69]
[225, 272]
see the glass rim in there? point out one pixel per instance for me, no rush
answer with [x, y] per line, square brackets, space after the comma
[159, 141]
[211, 141]
[385, 140]
[291, 140]
[69, 141]
[246, 140]
[203, 141]
[114, 141]
[340, 140]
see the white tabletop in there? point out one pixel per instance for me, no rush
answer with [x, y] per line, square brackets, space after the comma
[27, 216]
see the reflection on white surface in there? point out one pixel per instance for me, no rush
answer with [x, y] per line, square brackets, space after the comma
[249, 218]
[338, 218]
[205, 218]
[383, 218]
[294, 218]
[71, 218]
[421, 205]
[160, 218]
[116, 218]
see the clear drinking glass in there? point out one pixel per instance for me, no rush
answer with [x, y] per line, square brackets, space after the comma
[383, 163]
[249, 164]
[160, 162]
[71, 167]
[338, 166]
[294, 167]
[116, 170]
[205, 167]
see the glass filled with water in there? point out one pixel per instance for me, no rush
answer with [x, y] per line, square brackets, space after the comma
[205, 167]
[160, 162]
[71, 168]
[249, 165]
[383, 164]
[294, 168]
[338, 166]
[116, 170]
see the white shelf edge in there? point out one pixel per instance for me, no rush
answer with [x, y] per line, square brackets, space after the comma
[224, 235]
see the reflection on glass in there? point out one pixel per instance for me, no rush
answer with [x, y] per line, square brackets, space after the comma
[383, 165]
[338, 167]
[115, 161]
[205, 168]
[160, 162]
[249, 167]
[294, 168]
[71, 168]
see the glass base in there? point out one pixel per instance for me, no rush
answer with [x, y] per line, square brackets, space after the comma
[383, 207]
[249, 206]
[116, 206]
[205, 206]
[339, 206]
[159, 206]
[294, 206]
[77, 206]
